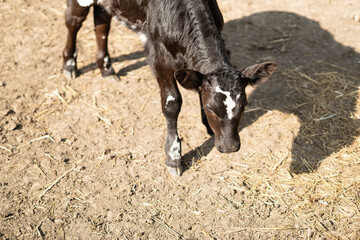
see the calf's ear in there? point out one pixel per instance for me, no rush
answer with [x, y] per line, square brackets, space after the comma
[259, 73]
[189, 79]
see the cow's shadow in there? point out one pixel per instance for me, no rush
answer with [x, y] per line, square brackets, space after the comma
[123, 71]
[317, 81]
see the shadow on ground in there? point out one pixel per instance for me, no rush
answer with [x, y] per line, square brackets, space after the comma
[317, 81]
[124, 71]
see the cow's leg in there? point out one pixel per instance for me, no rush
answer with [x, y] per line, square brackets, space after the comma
[74, 17]
[204, 118]
[171, 104]
[102, 22]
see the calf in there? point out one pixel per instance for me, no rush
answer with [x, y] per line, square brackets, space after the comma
[183, 44]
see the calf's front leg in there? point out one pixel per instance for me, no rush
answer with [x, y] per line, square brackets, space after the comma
[171, 104]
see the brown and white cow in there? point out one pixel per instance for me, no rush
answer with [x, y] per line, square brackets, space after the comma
[183, 44]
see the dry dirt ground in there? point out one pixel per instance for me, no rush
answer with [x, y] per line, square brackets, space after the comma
[84, 159]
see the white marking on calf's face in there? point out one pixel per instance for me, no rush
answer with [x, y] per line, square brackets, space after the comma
[85, 3]
[174, 152]
[229, 102]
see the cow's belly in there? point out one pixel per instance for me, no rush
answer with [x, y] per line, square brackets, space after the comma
[130, 13]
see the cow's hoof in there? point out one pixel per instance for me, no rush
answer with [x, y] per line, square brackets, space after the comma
[70, 74]
[175, 171]
[107, 72]
[113, 78]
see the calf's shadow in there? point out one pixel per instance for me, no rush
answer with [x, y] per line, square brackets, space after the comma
[123, 71]
[317, 81]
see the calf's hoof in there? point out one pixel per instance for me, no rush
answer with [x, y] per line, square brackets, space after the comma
[106, 72]
[113, 78]
[70, 74]
[70, 69]
[175, 171]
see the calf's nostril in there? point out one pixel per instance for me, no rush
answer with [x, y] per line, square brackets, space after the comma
[234, 148]
[229, 148]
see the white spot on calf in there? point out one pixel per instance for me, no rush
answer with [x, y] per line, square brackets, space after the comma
[106, 62]
[229, 102]
[103, 37]
[174, 152]
[169, 99]
[85, 3]
[70, 63]
[143, 37]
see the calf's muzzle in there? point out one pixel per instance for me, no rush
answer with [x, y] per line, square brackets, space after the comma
[228, 144]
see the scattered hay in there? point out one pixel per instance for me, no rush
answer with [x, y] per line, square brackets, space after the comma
[263, 195]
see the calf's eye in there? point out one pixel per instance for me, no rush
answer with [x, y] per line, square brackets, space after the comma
[209, 109]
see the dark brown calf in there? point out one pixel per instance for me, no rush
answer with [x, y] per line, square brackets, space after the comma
[183, 44]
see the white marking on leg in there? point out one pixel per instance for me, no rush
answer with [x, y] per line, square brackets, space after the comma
[103, 37]
[169, 99]
[143, 37]
[174, 152]
[106, 62]
[85, 3]
[70, 63]
[229, 102]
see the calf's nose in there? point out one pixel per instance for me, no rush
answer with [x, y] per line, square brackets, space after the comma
[229, 147]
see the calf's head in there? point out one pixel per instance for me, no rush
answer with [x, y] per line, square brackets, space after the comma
[223, 98]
